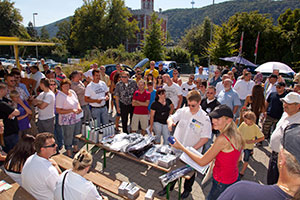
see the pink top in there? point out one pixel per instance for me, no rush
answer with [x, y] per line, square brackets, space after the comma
[226, 166]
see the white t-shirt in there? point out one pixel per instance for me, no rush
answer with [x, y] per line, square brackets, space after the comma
[48, 111]
[270, 89]
[39, 177]
[15, 176]
[191, 128]
[244, 88]
[219, 87]
[172, 93]
[89, 73]
[96, 91]
[277, 134]
[186, 88]
[37, 77]
[201, 76]
[75, 187]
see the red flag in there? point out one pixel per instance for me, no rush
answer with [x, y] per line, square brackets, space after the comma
[241, 43]
[256, 44]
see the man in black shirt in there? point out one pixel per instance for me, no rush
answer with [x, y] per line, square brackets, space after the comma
[8, 114]
[160, 69]
[274, 109]
[208, 104]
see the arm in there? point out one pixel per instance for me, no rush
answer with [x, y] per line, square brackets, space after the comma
[152, 113]
[212, 152]
[24, 106]
[255, 141]
[201, 142]
[90, 100]
[170, 123]
[22, 117]
[179, 102]
[235, 108]
[117, 104]
[15, 113]
[140, 103]
[171, 109]
[42, 105]
[247, 101]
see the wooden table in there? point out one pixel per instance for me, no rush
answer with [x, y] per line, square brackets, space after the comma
[176, 166]
[16, 192]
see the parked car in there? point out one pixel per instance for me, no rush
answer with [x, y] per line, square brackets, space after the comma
[168, 66]
[112, 67]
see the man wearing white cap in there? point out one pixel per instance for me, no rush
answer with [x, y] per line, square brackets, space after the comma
[291, 115]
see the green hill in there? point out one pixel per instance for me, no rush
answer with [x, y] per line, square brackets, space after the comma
[52, 28]
[181, 19]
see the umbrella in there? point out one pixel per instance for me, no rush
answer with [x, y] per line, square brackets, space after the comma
[270, 66]
[239, 60]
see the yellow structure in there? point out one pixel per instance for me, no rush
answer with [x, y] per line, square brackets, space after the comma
[14, 41]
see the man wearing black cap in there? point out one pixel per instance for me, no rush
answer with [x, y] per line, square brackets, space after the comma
[287, 186]
[291, 106]
[274, 109]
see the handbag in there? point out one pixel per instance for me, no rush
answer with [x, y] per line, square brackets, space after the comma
[63, 184]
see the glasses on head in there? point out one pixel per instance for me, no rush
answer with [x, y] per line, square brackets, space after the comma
[50, 146]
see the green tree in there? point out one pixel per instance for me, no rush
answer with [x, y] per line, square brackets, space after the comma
[153, 45]
[177, 54]
[64, 30]
[31, 31]
[10, 20]
[88, 26]
[44, 33]
[118, 28]
[196, 41]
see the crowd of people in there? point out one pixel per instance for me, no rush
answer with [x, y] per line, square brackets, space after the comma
[223, 117]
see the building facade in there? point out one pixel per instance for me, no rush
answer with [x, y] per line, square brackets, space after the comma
[143, 17]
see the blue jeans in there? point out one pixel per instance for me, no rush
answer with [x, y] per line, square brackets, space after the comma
[101, 115]
[247, 154]
[69, 134]
[58, 133]
[161, 129]
[217, 188]
[10, 141]
[86, 113]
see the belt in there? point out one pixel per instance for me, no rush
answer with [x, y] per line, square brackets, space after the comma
[274, 153]
[98, 107]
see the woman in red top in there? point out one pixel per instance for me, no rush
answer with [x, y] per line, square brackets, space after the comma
[226, 151]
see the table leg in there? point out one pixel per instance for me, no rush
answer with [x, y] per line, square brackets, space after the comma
[104, 158]
[179, 190]
[168, 191]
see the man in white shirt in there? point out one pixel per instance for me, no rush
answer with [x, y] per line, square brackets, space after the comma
[186, 87]
[243, 87]
[45, 104]
[220, 85]
[40, 173]
[200, 75]
[270, 85]
[96, 94]
[291, 115]
[88, 74]
[173, 91]
[193, 129]
[36, 75]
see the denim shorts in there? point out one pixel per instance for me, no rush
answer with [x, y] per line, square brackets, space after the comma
[247, 154]
[217, 188]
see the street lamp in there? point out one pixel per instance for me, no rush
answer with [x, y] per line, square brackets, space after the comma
[36, 48]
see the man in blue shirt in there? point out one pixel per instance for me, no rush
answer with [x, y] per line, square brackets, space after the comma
[229, 97]
[152, 94]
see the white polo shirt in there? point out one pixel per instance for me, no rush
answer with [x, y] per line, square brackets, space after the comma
[48, 111]
[39, 177]
[96, 91]
[191, 128]
[76, 188]
[277, 134]
[219, 87]
[244, 88]
[172, 93]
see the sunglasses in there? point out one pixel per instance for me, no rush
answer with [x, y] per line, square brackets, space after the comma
[50, 146]
[124, 76]
[209, 93]
[53, 84]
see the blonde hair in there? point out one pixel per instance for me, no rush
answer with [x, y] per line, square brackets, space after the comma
[82, 160]
[250, 115]
[14, 93]
[231, 131]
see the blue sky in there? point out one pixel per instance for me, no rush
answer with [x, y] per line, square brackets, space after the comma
[51, 11]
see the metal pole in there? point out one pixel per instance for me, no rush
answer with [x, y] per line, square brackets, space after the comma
[211, 30]
[36, 47]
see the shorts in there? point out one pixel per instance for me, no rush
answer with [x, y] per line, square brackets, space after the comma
[247, 154]
[143, 119]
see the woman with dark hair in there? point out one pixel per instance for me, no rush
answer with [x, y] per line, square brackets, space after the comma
[161, 108]
[159, 82]
[256, 101]
[16, 157]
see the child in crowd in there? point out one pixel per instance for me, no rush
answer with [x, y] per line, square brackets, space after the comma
[251, 134]
[25, 112]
